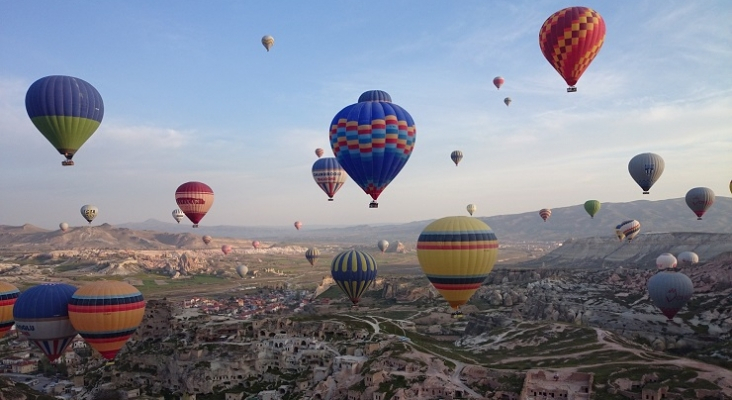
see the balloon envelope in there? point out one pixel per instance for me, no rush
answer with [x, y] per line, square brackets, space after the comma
[592, 207]
[457, 254]
[66, 110]
[298, 225]
[373, 140]
[699, 199]
[268, 42]
[498, 82]
[41, 314]
[456, 156]
[8, 295]
[255, 244]
[688, 258]
[629, 229]
[206, 239]
[645, 169]
[670, 291]
[319, 152]
[89, 212]
[507, 101]
[178, 215]
[666, 261]
[63, 226]
[242, 270]
[353, 271]
[471, 208]
[194, 199]
[570, 39]
[329, 175]
[226, 249]
[312, 254]
[106, 314]
[545, 213]
[382, 245]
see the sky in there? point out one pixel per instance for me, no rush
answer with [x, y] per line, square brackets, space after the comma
[190, 94]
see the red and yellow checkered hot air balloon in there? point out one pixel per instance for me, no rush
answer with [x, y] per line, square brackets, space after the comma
[106, 314]
[570, 39]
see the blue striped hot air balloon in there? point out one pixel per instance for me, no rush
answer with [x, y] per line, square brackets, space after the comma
[41, 314]
[353, 271]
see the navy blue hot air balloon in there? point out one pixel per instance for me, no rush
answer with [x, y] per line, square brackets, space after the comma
[66, 110]
[373, 140]
[41, 314]
[353, 271]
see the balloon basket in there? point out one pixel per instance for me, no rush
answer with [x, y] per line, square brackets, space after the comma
[330, 199]
[195, 225]
[646, 192]
[373, 204]
[67, 163]
[571, 89]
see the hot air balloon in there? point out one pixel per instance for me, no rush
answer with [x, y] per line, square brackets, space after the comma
[8, 295]
[206, 239]
[106, 314]
[699, 199]
[619, 233]
[457, 254]
[570, 39]
[298, 225]
[629, 228]
[41, 314]
[498, 82]
[688, 258]
[666, 261]
[507, 101]
[194, 199]
[66, 110]
[312, 254]
[669, 291]
[63, 226]
[268, 42]
[226, 249]
[545, 213]
[645, 169]
[382, 245]
[471, 208]
[373, 140]
[456, 156]
[329, 175]
[319, 152]
[255, 244]
[353, 271]
[592, 207]
[242, 270]
[178, 215]
[89, 212]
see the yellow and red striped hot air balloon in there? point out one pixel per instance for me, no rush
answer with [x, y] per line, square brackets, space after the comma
[570, 39]
[8, 295]
[457, 254]
[106, 314]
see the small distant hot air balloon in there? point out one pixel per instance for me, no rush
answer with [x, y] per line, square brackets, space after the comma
[319, 152]
[592, 207]
[106, 314]
[457, 254]
[312, 254]
[645, 169]
[255, 244]
[63, 226]
[382, 245]
[666, 261]
[226, 249]
[41, 314]
[242, 271]
[507, 101]
[66, 110]
[8, 295]
[629, 228]
[89, 212]
[385, 135]
[329, 175]
[206, 239]
[298, 225]
[178, 215]
[670, 291]
[194, 199]
[699, 199]
[570, 39]
[471, 208]
[456, 156]
[268, 42]
[545, 213]
[688, 258]
[353, 271]
[498, 82]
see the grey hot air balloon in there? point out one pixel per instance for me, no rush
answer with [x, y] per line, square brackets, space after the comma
[669, 291]
[471, 208]
[507, 101]
[456, 156]
[89, 212]
[383, 245]
[688, 258]
[268, 42]
[645, 169]
[699, 199]
[63, 226]
[242, 270]
[178, 215]
[666, 261]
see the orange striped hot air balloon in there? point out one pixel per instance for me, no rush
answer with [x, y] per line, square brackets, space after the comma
[106, 314]
[8, 295]
[570, 39]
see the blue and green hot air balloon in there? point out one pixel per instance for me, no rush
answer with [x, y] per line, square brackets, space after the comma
[66, 110]
[353, 271]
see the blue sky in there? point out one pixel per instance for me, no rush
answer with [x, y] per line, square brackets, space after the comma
[191, 94]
